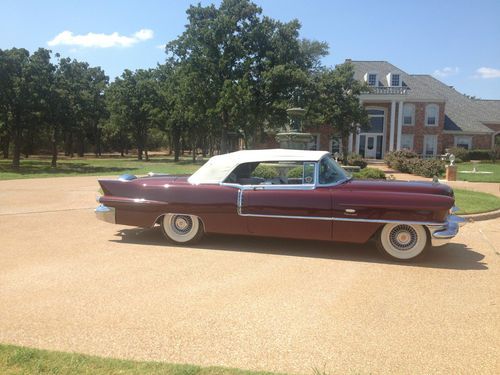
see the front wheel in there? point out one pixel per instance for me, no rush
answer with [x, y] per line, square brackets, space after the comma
[182, 229]
[402, 241]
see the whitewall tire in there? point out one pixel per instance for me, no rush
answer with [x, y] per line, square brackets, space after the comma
[182, 229]
[402, 241]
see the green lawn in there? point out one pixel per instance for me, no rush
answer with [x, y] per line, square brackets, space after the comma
[485, 167]
[20, 360]
[472, 202]
[40, 167]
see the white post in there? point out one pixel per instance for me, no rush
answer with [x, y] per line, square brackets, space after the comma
[400, 125]
[349, 144]
[393, 122]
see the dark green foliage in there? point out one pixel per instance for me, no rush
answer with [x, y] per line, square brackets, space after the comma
[479, 154]
[427, 167]
[335, 100]
[409, 162]
[461, 154]
[370, 173]
[265, 171]
[356, 160]
[295, 172]
[464, 155]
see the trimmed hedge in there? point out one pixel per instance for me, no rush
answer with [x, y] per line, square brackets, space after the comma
[408, 162]
[461, 154]
[356, 160]
[370, 173]
[265, 171]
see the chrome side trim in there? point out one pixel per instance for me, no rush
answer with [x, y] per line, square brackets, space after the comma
[105, 213]
[269, 187]
[239, 209]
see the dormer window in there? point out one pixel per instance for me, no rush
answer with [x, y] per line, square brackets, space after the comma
[371, 79]
[395, 81]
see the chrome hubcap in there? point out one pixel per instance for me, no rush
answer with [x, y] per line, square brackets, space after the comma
[182, 224]
[403, 237]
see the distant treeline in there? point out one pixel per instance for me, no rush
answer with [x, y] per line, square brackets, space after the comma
[231, 74]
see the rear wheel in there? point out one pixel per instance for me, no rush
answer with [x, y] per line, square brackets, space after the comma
[182, 229]
[402, 241]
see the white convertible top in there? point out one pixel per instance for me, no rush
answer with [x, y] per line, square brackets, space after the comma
[217, 168]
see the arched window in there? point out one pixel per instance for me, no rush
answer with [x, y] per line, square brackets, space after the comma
[408, 114]
[431, 115]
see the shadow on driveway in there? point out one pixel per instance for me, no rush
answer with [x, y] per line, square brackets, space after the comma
[451, 256]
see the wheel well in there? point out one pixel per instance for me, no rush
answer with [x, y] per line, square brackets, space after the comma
[377, 232]
[160, 218]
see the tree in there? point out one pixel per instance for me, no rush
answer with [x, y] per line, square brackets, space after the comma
[132, 99]
[18, 97]
[252, 65]
[336, 101]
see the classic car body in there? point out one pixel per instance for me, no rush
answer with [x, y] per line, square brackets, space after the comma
[318, 202]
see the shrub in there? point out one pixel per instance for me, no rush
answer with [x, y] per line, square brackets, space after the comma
[396, 159]
[295, 172]
[265, 171]
[428, 167]
[356, 160]
[480, 154]
[460, 153]
[370, 173]
[408, 162]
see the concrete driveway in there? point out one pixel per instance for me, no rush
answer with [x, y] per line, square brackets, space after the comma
[69, 282]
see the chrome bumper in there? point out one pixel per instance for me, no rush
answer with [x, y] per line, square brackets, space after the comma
[443, 234]
[105, 213]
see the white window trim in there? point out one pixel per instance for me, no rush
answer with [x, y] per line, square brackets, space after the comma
[389, 79]
[383, 127]
[435, 137]
[412, 117]
[412, 137]
[427, 115]
[468, 137]
[367, 76]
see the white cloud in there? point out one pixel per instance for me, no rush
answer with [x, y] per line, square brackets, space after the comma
[67, 38]
[484, 72]
[446, 71]
[161, 46]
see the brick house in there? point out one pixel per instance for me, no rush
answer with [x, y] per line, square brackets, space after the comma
[413, 111]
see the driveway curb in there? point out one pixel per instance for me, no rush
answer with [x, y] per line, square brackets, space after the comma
[482, 216]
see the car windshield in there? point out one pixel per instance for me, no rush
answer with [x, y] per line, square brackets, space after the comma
[330, 172]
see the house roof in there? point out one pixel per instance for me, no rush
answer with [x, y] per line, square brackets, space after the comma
[217, 168]
[461, 113]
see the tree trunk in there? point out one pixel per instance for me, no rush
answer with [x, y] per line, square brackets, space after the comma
[81, 145]
[16, 160]
[97, 136]
[176, 141]
[145, 144]
[53, 162]
[5, 146]
[68, 144]
[343, 149]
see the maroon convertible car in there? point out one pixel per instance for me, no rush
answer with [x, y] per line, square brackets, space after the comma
[285, 193]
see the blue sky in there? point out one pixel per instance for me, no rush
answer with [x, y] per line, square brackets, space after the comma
[457, 41]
